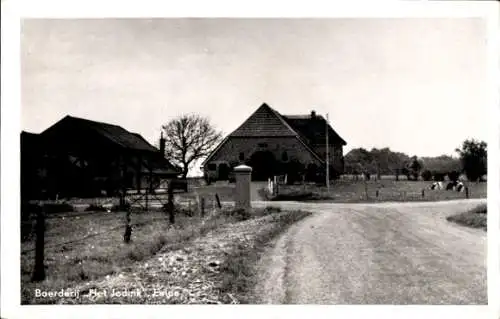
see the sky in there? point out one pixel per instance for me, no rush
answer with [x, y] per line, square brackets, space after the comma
[415, 85]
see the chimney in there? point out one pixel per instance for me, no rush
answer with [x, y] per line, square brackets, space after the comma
[162, 145]
[313, 114]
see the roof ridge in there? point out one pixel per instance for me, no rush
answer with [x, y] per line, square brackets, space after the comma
[96, 122]
[280, 117]
[274, 112]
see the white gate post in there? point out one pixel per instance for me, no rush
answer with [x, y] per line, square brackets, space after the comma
[242, 176]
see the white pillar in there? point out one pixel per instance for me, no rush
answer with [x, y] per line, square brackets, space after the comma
[243, 176]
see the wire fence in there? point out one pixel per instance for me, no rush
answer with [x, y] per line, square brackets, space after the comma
[136, 212]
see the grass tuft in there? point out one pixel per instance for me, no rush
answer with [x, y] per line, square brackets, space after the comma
[474, 218]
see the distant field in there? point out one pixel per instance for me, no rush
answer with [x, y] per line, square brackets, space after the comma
[347, 191]
[374, 191]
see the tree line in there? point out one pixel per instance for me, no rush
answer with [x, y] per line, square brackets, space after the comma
[471, 161]
[191, 137]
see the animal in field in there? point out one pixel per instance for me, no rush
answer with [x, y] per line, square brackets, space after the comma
[455, 186]
[451, 186]
[436, 186]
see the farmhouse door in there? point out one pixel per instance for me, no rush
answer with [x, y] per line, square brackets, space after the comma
[263, 165]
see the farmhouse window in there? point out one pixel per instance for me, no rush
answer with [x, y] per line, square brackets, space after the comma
[262, 144]
[212, 167]
[242, 156]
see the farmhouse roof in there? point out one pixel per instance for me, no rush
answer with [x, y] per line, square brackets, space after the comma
[313, 129]
[308, 129]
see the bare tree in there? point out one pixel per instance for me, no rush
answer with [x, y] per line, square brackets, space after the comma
[189, 138]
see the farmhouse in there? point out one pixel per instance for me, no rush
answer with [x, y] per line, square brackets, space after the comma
[79, 157]
[273, 144]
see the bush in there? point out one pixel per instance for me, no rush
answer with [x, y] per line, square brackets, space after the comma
[453, 176]
[184, 211]
[439, 177]
[272, 210]
[57, 208]
[264, 194]
[239, 214]
[95, 208]
[294, 196]
[426, 175]
[294, 169]
[28, 210]
[475, 218]
[120, 208]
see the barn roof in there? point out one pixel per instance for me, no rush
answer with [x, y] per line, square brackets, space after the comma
[29, 138]
[113, 133]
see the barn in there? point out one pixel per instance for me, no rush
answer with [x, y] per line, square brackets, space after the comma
[78, 157]
[274, 144]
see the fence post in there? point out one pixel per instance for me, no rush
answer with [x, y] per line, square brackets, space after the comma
[122, 199]
[39, 271]
[366, 189]
[423, 192]
[218, 201]
[276, 185]
[376, 193]
[128, 228]
[170, 204]
[203, 207]
[467, 192]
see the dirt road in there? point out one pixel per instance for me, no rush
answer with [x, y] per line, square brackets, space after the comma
[392, 253]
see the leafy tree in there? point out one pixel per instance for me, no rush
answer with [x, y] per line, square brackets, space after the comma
[189, 138]
[414, 167]
[473, 156]
[426, 175]
[442, 164]
[439, 176]
[454, 175]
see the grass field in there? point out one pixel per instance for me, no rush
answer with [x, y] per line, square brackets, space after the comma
[374, 191]
[82, 247]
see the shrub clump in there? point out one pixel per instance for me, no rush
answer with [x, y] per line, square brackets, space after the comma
[475, 218]
[52, 208]
[426, 175]
[184, 211]
[96, 208]
[120, 208]
[239, 214]
[296, 195]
